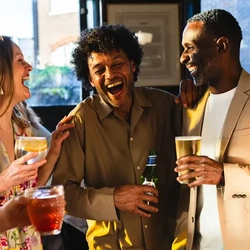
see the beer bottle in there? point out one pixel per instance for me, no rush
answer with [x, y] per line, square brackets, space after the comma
[149, 176]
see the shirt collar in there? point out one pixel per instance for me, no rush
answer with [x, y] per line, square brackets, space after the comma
[139, 99]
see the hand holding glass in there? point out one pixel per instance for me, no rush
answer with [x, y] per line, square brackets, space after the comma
[46, 209]
[187, 145]
[27, 144]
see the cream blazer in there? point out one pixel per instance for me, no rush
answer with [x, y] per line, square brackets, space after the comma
[234, 198]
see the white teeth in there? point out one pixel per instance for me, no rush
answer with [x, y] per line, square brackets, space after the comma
[113, 84]
[192, 69]
[25, 78]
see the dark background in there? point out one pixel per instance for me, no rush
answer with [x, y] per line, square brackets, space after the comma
[51, 115]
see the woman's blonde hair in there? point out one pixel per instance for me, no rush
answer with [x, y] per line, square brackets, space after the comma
[19, 115]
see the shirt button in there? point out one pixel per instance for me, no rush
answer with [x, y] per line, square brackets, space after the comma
[138, 167]
[131, 138]
[146, 226]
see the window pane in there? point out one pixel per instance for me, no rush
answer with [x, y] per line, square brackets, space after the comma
[240, 10]
[63, 6]
[46, 37]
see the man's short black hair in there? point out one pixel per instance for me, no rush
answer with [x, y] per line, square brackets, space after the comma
[220, 23]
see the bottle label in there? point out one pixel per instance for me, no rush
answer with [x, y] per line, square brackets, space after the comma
[148, 183]
[151, 160]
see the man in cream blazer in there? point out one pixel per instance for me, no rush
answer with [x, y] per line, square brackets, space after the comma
[211, 54]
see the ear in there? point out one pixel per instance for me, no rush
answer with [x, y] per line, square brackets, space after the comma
[91, 82]
[133, 66]
[222, 44]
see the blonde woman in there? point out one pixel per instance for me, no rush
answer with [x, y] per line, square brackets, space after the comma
[14, 121]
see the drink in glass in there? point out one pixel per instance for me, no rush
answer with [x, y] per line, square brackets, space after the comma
[28, 144]
[46, 209]
[187, 145]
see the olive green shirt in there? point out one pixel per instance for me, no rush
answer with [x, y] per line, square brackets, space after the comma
[106, 152]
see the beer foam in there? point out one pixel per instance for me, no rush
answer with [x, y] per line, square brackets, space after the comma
[44, 196]
[187, 138]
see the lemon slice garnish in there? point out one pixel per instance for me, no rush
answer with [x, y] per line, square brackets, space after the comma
[33, 145]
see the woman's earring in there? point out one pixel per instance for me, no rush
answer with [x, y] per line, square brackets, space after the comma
[1, 91]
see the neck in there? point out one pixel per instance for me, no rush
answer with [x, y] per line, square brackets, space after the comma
[5, 122]
[226, 82]
[124, 111]
[123, 114]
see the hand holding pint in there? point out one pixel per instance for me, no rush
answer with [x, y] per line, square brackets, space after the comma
[187, 145]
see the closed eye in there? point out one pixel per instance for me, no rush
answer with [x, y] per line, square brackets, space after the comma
[117, 66]
[21, 61]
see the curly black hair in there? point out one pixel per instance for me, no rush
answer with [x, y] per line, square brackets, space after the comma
[220, 23]
[104, 39]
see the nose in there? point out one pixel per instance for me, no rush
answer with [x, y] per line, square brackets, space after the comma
[184, 58]
[109, 73]
[28, 67]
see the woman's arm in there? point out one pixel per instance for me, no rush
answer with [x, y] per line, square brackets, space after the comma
[58, 136]
[14, 213]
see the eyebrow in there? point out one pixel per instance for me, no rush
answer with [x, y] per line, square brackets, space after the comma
[18, 54]
[113, 58]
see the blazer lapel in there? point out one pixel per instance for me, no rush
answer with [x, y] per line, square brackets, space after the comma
[234, 111]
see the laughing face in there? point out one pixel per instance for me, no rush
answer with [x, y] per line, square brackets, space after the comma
[21, 70]
[111, 74]
[200, 54]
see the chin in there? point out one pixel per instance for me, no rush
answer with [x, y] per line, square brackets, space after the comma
[197, 82]
[27, 96]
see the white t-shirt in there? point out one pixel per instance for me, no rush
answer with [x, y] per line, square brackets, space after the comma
[215, 114]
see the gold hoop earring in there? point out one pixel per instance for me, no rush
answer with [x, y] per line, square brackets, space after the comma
[1, 91]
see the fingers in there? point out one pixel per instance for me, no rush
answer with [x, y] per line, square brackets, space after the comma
[189, 93]
[25, 158]
[177, 99]
[64, 120]
[149, 190]
[199, 169]
[61, 132]
[28, 172]
[192, 158]
[135, 198]
[23, 161]
[22, 200]
[182, 97]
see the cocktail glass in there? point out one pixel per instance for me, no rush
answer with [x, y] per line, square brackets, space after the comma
[28, 144]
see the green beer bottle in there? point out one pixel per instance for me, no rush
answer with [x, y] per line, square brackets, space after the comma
[149, 176]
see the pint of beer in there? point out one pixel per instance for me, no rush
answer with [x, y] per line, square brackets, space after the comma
[46, 209]
[187, 145]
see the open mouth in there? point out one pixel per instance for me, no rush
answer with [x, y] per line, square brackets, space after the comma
[192, 70]
[26, 78]
[115, 88]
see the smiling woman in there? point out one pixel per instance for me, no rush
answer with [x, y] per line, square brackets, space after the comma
[17, 71]
[14, 122]
[51, 81]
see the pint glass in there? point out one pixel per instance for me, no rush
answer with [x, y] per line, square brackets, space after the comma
[46, 209]
[187, 145]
